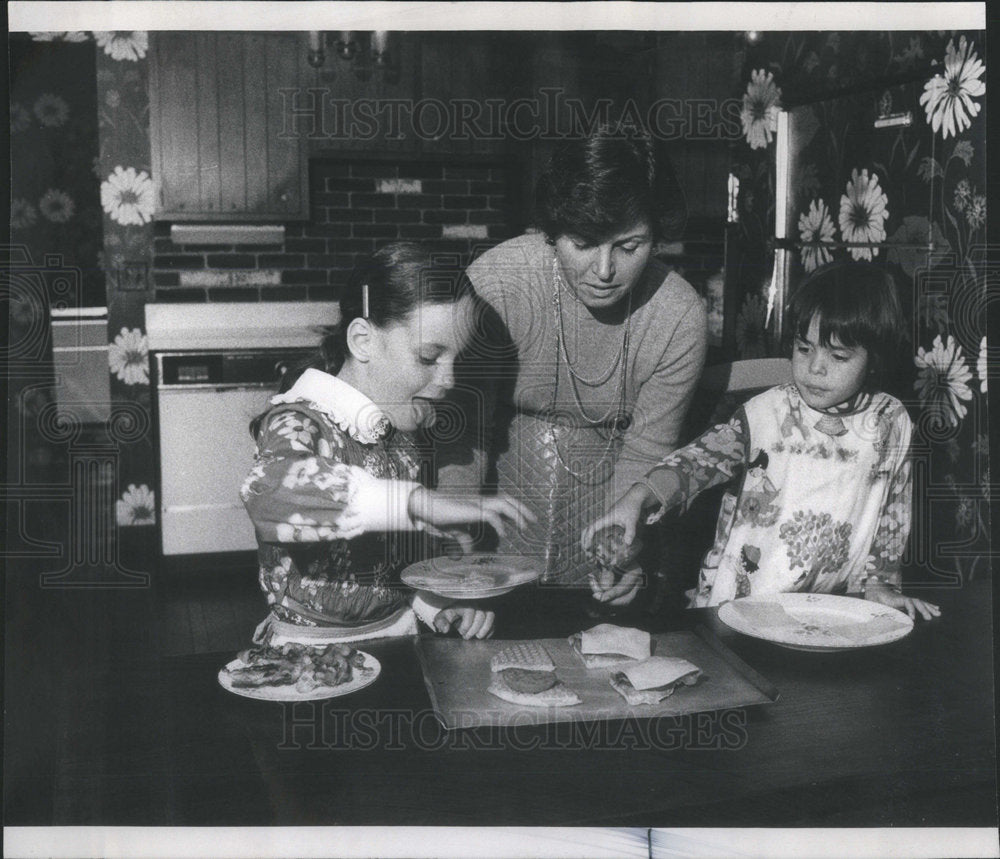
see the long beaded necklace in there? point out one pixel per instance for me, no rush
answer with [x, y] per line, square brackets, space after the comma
[617, 407]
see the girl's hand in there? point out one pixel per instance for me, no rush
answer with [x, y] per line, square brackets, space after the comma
[887, 596]
[625, 512]
[441, 510]
[473, 622]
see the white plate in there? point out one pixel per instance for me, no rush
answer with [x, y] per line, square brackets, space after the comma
[475, 576]
[362, 677]
[816, 622]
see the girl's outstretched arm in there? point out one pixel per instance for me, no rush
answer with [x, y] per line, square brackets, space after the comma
[712, 458]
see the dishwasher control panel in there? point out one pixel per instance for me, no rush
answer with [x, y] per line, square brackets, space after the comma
[231, 368]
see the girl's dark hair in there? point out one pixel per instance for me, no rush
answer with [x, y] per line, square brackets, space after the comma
[759, 461]
[858, 304]
[596, 186]
[399, 276]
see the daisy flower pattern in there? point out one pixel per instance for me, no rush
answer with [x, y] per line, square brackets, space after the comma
[298, 431]
[750, 327]
[947, 99]
[761, 105]
[128, 357]
[51, 110]
[56, 206]
[120, 45]
[137, 506]
[943, 381]
[863, 213]
[982, 366]
[127, 196]
[975, 212]
[22, 214]
[60, 36]
[815, 226]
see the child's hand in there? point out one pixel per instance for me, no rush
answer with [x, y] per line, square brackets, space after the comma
[473, 622]
[441, 511]
[887, 596]
[625, 513]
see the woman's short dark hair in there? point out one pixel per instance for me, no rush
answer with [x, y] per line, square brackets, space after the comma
[857, 303]
[597, 186]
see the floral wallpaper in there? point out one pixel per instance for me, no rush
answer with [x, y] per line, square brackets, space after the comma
[81, 189]
[893, 174]
[126, 191]
[53, 133]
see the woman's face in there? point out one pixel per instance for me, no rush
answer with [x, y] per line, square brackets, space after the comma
[413, 362]
[827, 376]
[600, 275]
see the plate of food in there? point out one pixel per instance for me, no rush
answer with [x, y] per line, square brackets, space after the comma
[475, 576]
[299, 672]
[816, 622]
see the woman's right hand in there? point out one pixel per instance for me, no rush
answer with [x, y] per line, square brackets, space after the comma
[625, 512]
[443, 510]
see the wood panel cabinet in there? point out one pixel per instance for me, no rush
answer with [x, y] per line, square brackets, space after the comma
[221, 150]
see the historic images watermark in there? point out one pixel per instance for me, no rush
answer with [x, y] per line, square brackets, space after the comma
[80, 499]
[550, 114]
[321, 726]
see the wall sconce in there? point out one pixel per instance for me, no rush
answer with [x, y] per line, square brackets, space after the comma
[362, 50]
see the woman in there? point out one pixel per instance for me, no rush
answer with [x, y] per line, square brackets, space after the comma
[590, 352]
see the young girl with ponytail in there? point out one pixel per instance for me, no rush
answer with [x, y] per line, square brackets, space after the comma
[334, 487]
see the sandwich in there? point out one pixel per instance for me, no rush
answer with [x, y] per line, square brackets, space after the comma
[608, 548]
[653, 679]
[606, 645]
[525, 674]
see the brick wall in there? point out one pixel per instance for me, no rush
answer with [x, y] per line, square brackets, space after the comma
[356, 207]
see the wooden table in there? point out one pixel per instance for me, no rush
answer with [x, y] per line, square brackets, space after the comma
[897, 735]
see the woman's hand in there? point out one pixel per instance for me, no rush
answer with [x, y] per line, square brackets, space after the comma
[473, 622]
[605, 588]
[442, 511]
[625, 512]
[892, 598]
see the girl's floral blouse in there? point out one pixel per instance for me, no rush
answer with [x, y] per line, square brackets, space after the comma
[328, 498]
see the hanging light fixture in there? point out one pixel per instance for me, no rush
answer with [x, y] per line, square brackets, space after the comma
[352, 47]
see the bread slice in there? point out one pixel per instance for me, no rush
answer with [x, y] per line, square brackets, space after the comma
[607, 645]
[559, 695]
[653, 679]
[529, 655]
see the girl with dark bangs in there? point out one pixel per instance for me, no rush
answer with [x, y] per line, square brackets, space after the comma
[824, 496]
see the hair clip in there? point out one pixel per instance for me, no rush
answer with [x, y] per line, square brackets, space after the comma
[364, 300]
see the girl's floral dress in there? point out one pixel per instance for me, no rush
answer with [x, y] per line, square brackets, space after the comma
[823, 502]
[328, 498]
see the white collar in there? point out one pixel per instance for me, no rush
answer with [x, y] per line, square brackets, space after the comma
[350, 410]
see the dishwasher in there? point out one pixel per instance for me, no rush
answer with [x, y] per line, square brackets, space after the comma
[204, 404]
[213, 367]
